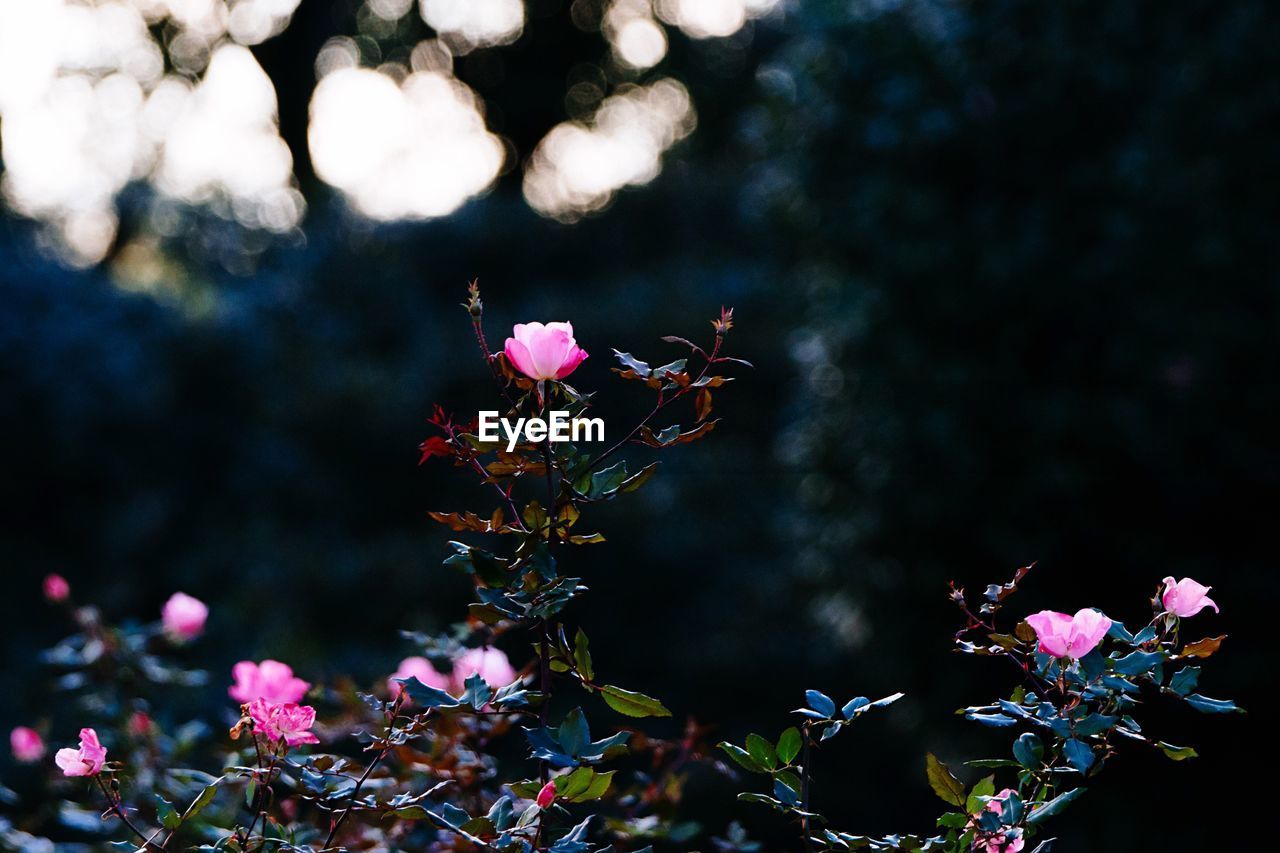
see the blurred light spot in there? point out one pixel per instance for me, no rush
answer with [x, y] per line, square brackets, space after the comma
[225, 143]
[255, 21]
[636, 39]
[390, 10]
[86, 108]
[410, 151]
[578, 167]
[431, 55]
[711, 18]
[338, 52]
[468, 24]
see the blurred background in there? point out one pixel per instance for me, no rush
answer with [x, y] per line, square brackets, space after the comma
[1007, 270]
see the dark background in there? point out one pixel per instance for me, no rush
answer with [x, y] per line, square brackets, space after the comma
[1008, 272]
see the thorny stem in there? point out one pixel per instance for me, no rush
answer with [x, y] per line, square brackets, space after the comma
[364, 777]
[118, 811]
[544, 646]
[260, 801]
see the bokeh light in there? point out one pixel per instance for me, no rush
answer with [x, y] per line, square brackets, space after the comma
[411, 150]
[637, 40]
[467, 24]
[579, 166]
[711, 18]
[86, 107]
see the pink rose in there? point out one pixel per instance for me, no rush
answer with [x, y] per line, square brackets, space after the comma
[421, 669]
[56, 588]
[184, 616]
[139, 724]
[489, 663]
[544, 352]
[1186, 597]
[547, 795]
[27, 745]
[998, 843]
[270, 680]
[288, 721]
[1066, 636]
[85, 761]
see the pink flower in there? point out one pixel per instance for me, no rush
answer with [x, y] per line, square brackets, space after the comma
[269, 680]
[544, 352]
[421, 669]
[184, 616]
[1186, 597]
[998, 842]
[1066, 636]
[85, 761]
[139, 724]
[56, 588]
[27, 745]
[489, 663]
[547, 795]
[288, 721]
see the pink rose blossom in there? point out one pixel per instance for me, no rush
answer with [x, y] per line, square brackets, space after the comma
[270, 680]
[547, 795]
[288, 721]
[184, 616]
[998, 842]
[1186, 597]
[27, 745]
[489, 663]
[139, 724]
[421, 669]
[85, 761]
[544, 352]
[1066, 636]
[56, 588]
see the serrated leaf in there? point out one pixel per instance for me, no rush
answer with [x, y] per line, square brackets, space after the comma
[1054, 806]
[582, 656]
[944, 784]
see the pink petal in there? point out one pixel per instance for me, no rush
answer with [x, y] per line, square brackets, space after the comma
[518, 355]
[576, 356]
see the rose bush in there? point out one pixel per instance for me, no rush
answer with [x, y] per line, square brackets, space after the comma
[490, 736]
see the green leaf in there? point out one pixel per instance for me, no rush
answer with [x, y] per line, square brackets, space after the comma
[1054, 806]
[742, 758]
[789, 745]
[638, 479]
[582, 656]
[427, 697]
[1213, 706]
[598, 788]
[1078, 754]
[1028, 750]
[945, 785]
[202, 800]
[762, 751]
[574, 734]
[633, 704]
[1177, 753]
[976, 801]
[167, 814]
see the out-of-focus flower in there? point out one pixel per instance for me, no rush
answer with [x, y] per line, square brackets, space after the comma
[139, 724]
[1066, 636]
[270, 680]
[27, 745]
[489, 663]
[85, 761]
[184, 616]
[1186, 597]
[56, 588]
[544, 352]
[421, 669]
[547, 795]
[288, 721]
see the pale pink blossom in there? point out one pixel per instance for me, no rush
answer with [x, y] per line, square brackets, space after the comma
[85, 761]
[270, 680]
[288, 721]
[547, 795]
[489, 663]
[26, 744]
[184, 616]
[1186, 597]
[544, 352]
[56, 588]
[1066, 636]
[421, 669]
